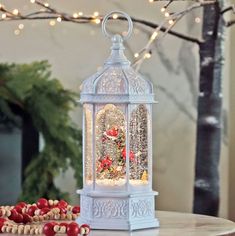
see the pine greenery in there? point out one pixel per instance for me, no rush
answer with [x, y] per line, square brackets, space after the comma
[31, 87]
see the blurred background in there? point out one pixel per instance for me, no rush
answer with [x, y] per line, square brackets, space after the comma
[76, 51]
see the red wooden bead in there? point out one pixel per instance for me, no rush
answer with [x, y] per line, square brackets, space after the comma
[62, 204]
[18, 209]
[2, 220]
[26, 218]
[45, 210]
[42, 203]
[13, 215]
[76, 209]
[31, 210]
[73, 229]
[86, 226]
[19, 218]
[64, 224]
[48, 229]
[1, 225]
[21, 204]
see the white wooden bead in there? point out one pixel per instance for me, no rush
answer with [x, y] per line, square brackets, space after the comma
[62, 216]
[37, 212]
[20, 231]
[87, 230]
[56, 228]
[40, 231]
[51, 202]
[74, 216]
[55, 202]
[63, 229]
[8, 213]
[26, 230]
[8, 229]
[36, 231]
[3, 212]
[14, 229]
[32, 231]
[82, 231]
[69, 217]
[57, 217]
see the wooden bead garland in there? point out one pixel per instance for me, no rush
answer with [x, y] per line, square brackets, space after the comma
[25, 218]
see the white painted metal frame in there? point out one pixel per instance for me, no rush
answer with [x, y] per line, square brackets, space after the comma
[128, 207]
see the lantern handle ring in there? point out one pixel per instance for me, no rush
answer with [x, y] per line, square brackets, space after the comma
[123, 14]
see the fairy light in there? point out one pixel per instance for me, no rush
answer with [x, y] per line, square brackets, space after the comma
[52, 23]
[15, 12]
[21, 26]
[147, 55]
[97, 21]
[136, 55]
[80, 13]
[171, 22]
[151, 1]
[32, 1]
[59, 19]
[1, 6]
[115, 16]
[46, 4]
[154, 35]
[17, 32]
[75, 15]
[167, 14]
[96, 13]
[4, 16]
[163, 9]
[197, 20]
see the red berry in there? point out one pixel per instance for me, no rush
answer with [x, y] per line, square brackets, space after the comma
[26, 218]
[62, 204]
[21, 204]
[19, 218]
[13, 215]
[18, 209]
[31, 210]
[76, 209]
[48, 229]
[73, 229]
[45, 210]
[42, 203]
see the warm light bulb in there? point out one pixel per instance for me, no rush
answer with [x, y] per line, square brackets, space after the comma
[97, 21]
[198, 20]
[46, 4]
[163, 9]
[96, 13]
[1, 6]
[21, 26]
[59, 19]
[154, 35]
[32, 1]
[80, 13]
[17, 32]
[4, 16]
[115, 16]
[52, 22]
[75, 15]
[171, 22]
[147, 55]
[15, 12]
[136, 55]
[151, 1]
[167, 14]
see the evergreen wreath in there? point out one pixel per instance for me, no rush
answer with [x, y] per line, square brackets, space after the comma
[31, 87]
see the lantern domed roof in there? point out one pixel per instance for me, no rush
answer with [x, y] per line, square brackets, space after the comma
[117, 81]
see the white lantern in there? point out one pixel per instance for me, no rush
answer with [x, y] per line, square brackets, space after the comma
[117, 144]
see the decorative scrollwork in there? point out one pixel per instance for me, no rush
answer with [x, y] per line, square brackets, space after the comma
[141, 208]
[110, 208]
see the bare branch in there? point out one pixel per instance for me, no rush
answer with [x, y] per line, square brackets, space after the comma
[230, 23]
[230, 8]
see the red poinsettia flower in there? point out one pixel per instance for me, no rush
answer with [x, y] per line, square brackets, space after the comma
[106, 163]
[131, 154]
[112, 132]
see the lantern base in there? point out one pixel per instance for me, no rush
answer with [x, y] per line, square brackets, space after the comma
[118, 211]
